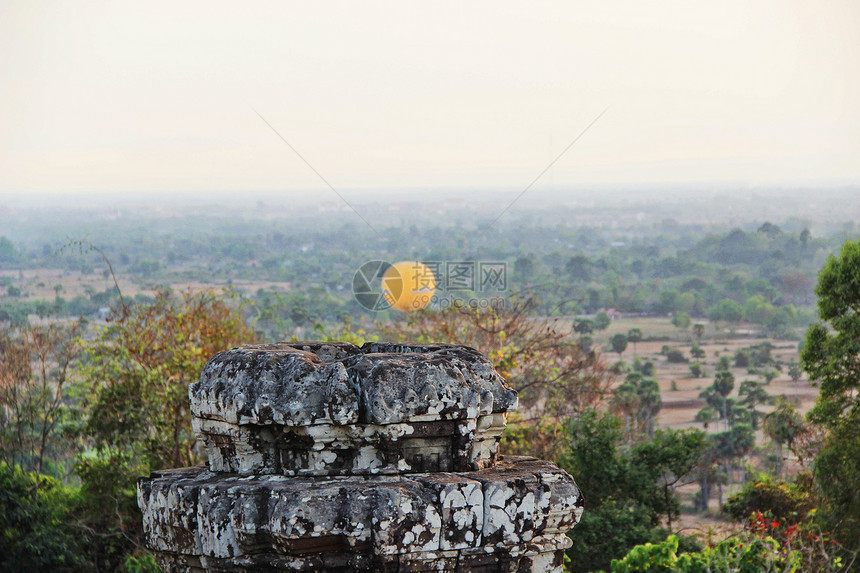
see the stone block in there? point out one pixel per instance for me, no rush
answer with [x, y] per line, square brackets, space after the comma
[410, 522]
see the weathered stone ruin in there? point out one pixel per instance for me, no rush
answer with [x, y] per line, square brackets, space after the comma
[327, 457]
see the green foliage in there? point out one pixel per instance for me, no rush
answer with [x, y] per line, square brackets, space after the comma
[36, 523]
[676, 356]
[343, 332]
[141, 564]
[140, 368]
[644, 367]
[788, 503]
[837, 471]
[638, 401]
[696, 370]
[726, 310]
[579, 268]
[724, 383]
[634, 335]
[630, 489]
[667, 459]
[618, 342]
[681, 320]
[784, 423]
[742, 555]
[602, 320]
[733, 443]
[609, 532]
[795, 371]
[753, 395]
[583, 326]
[109, 503]
[712, 398]
[758, 310]
[769, 375]
[831, 357]
[8, 252]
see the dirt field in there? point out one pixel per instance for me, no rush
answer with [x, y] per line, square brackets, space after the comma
[41, 284]
[681, 404]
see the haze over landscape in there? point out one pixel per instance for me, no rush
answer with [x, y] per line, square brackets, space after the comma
[112, 98]
[644, 215]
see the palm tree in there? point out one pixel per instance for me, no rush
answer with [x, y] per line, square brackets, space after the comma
[724, 383]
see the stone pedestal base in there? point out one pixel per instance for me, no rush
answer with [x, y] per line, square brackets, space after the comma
[512, 517]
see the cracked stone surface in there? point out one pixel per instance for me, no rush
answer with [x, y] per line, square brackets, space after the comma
[314, 408]
[329, 457]
[516, 514]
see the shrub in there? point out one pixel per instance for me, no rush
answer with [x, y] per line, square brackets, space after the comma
[696, 370]
[35, 517]
[676, 356]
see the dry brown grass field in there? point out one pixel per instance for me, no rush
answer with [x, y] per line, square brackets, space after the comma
[41, 283]
[680, 390]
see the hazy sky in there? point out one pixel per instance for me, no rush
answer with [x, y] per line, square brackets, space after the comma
[122, 96]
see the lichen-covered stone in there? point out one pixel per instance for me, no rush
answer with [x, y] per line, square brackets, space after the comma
[313, 408]
[327, 457]
[416, 522]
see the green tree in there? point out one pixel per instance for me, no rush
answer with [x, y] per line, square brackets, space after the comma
[724, 383]
[583, 326]
[37, 523]
[631, 491]
[669, 457]
[831, 357]
[618, 343]
[634, 335]
[578, 267]
[753, 394]
[8, 252]
[626, 402]
[795, 372]
[783, 425]
[696, 370]
[726, 310]
[681, 320]
[524, 268]
[758, 310]
[639, 401]
[705, 416]
[140, 368]
[788, 503]
[602, 320]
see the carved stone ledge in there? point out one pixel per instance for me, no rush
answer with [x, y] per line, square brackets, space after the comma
[312, 408]
[512, 517]
[329, 457]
